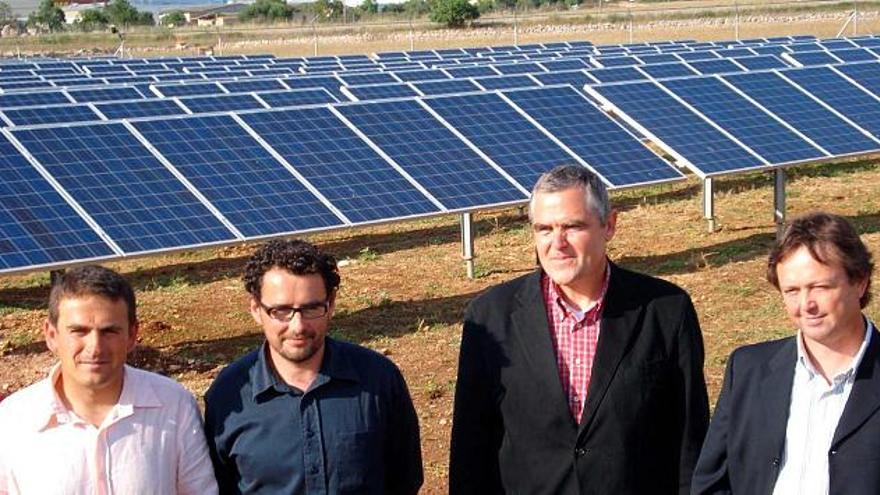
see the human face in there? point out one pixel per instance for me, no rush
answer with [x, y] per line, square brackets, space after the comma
[821, 300]
[91, 339]
[569, 238]
[299, 341]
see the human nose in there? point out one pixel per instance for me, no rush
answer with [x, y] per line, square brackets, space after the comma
[807, 301]
[559, 238]
[94, 343]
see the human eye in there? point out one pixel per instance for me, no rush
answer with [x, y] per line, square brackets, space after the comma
[283, 313]
[314, 310]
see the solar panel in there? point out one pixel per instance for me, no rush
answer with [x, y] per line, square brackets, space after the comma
[330, 83]
[473, 71]
[840, 94]
[506, 82]
[866, 74]
[51, 114]
[812, 58]
[749, 124]
[431, 154]
[576, 78]
[660, 71]
[611, 151]
[39, 227]
[445, 87]
[762, 62]
[421, 75]
[350, 174]
[192, 89]
[32, 99]
[380, 91]
[698, 56]
[12, 86]
[297, 97]
[123, 187]
[616, 74]
[237, 175]
[139, 108]
[523, 68]
[253, 85]
[566, 64]
[367, 78]
[221, 103]
[658, 58]
[706, 148]
[819, 124]
[855, 55]
[721, 66]
[614, 62]
[508, 138]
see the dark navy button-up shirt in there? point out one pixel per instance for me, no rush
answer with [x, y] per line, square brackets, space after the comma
[353, 431]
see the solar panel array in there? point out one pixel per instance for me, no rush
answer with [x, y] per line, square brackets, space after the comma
[109, 158]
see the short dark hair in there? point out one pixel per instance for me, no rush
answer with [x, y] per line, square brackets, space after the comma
[92, 280]
[829, 238]
[297, 257]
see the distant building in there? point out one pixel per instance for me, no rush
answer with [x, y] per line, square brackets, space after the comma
[73, 9]
[221, 15]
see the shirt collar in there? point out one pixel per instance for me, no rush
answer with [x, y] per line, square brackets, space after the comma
[568, 310]
[135, 393]
[336, 365]
[804, 361]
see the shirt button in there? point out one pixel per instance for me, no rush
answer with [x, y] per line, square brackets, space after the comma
[775, 462]
[833, 452]
[580, 452]
[577, 361]
[313, 470]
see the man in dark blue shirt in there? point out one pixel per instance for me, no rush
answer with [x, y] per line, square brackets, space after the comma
[304, 413]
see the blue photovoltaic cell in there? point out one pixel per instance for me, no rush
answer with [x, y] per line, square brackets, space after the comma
[139, 108]
[565, 64]
[51, 114]
[180, 77]
[841, 95]
[32, 99]
[297, 97]
[762, 62]
[421, 75]
[770, 49]
[508, 138]
[720, 66]
[617, 74]
[432, 154]
[660, 71]
[446, 87]
[658, 58]
[367, 78]
[253, 85]
[381, 91]
[9, 86]
[618, 61]
[576, 78]
[697, 56]
[804, 47]
[505, 82]
[743, 120]
[702, 145]
[523, 68]
[838, 44]
[221, 103]
[353, 177]
[611, 151]
[813, 58]
[472, 71]
[38, 227]
[105, 94]
[190, 89]
[866, 74]
[814, 121]
[123, 187]
[238, 176]
[867, 42]
[330, 83]
[855, 55]
[734, 52]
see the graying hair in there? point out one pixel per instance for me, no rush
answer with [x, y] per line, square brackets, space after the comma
[563, 177]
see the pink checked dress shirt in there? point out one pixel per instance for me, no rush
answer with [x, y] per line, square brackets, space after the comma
[150, 442]
[574, 340]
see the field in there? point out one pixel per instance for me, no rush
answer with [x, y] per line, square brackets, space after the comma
[404, 287]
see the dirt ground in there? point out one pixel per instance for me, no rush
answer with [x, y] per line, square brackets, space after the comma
[404, 290]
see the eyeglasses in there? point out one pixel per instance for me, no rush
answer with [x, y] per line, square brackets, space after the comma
[311, 311]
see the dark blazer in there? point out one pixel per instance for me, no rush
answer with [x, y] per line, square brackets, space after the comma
[646, 411]
[746, 439]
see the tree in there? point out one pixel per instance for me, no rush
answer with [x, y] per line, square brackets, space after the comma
[267, 10]
[6, 12]
[328, 9]
[91, 19]
[47, 16]
[122, 13]
[174, 18]
[369, 7]
[416, 8]
[453, 13]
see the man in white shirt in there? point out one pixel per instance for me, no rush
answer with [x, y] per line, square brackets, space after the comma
[96, 425]
[801, 415]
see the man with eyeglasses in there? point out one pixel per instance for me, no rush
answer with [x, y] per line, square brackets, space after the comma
[305, 413]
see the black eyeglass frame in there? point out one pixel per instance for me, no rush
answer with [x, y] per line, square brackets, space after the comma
[272, 311]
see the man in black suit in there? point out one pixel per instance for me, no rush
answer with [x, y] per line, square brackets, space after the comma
[581, 377]
[801, 415]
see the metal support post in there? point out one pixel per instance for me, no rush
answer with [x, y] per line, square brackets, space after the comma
[736, 21]
[630, 25]
[515, 28]
[709, 203]
[55, 276]
[779, 201]
[467, 243]
[412, 41]
[855, 18]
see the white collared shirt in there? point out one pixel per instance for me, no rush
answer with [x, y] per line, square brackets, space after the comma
[150, 442]
[814, 411]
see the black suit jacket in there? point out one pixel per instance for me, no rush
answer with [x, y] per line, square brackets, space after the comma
[646, 411]
[746, 439]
